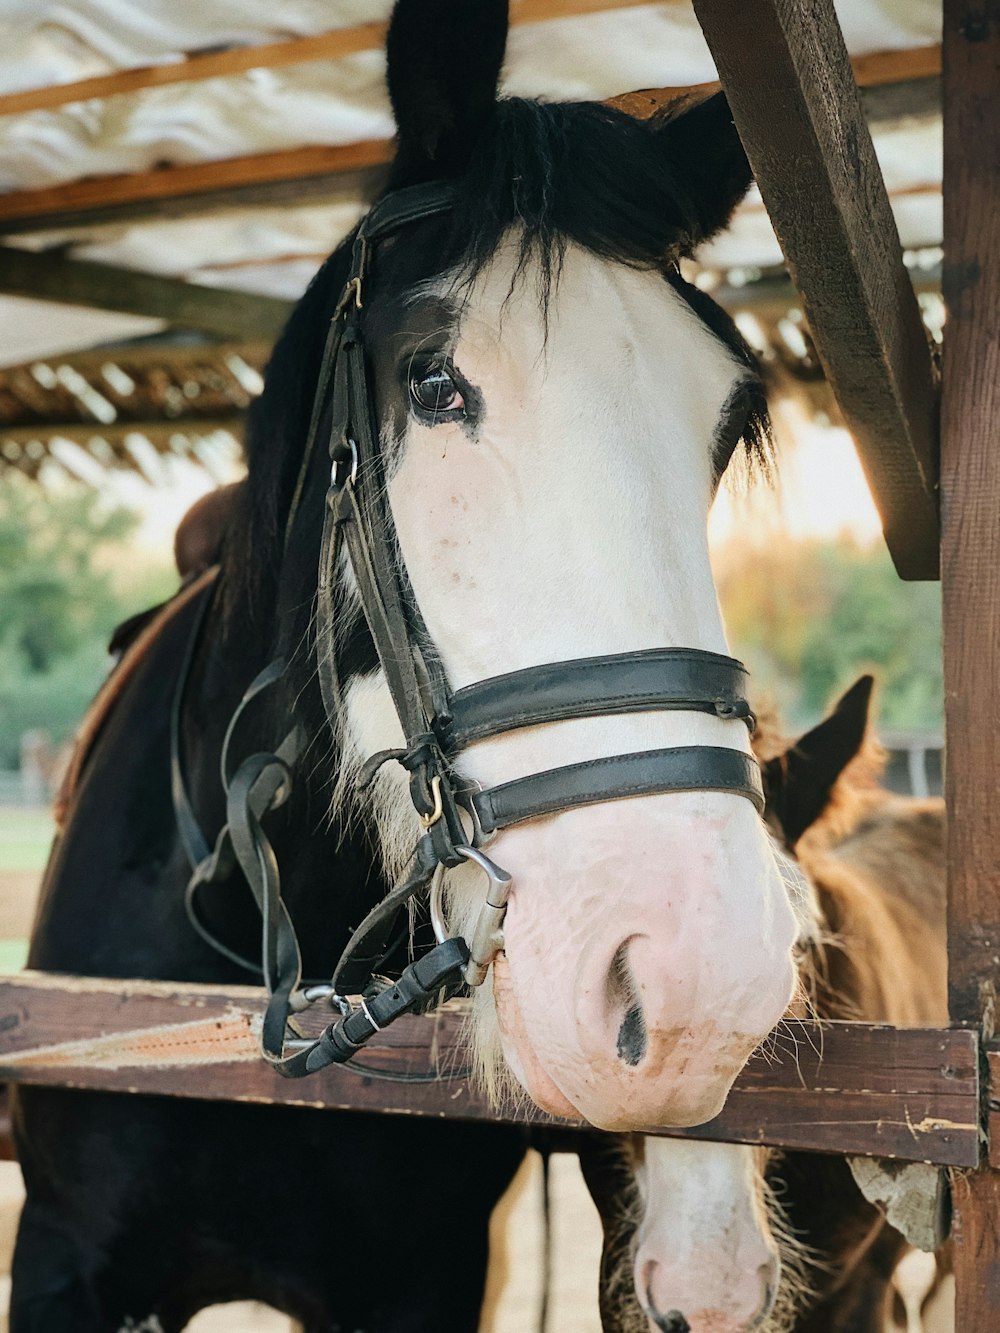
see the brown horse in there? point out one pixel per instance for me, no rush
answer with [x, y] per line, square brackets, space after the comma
[875, 951]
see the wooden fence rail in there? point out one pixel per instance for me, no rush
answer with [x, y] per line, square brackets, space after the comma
[831, 1087]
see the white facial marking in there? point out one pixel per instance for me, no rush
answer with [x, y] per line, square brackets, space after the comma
[704, 1246]
[573, 525]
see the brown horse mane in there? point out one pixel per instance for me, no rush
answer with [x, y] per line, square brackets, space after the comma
[876, 861]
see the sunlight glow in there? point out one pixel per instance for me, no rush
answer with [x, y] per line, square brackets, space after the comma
[820, 490]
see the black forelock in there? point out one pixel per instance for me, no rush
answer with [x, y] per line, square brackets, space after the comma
[583, 172]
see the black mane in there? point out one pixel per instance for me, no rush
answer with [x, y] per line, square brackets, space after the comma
[551, 174]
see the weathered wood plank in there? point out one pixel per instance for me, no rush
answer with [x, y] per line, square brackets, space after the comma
[970, 487]
[970, 569]
[339, 174]
[225, 313]
[834, 1087]
[797, 106]
[993, 1107]
[333, 45]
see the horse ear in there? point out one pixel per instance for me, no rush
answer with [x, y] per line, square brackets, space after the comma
[444, 59]
[708, 155]
[798, 783]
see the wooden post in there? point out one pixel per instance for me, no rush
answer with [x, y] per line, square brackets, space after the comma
[970, 563]
[795, 101]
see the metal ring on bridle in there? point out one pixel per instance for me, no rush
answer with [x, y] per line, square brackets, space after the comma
[337, 478]
[487, 934]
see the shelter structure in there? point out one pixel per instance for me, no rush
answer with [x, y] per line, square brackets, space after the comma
[815, 126]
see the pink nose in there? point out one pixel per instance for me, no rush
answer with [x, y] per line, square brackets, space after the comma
[748, 1302]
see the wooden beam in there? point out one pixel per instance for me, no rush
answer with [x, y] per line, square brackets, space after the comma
[882, 67]
[798, 110]
[970, 486]
[887, 67]
[151, 353]
[340, 174]
[970, 572]
[344, 173]
[830, 1087]
[775, 293]
[225, 313]
[914, 99]
[333, 45]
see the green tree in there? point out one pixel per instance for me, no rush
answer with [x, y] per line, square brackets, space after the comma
[809, 616]
[61, 594]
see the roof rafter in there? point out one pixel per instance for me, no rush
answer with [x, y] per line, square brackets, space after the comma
[351, 171]
[332, 45]
[50, 276]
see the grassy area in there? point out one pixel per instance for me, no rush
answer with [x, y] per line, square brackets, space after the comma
[13, 955]
[25, 835]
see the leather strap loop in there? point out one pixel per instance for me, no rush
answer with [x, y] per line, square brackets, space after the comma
[679, 768]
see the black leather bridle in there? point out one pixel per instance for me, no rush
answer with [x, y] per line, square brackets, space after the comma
[458, 818]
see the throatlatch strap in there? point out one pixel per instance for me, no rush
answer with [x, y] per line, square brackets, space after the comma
[680, 768]
[655, 678]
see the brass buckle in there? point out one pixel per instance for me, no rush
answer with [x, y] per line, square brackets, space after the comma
[428, 821]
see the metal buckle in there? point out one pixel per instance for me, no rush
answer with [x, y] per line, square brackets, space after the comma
[302, 999]
[467, 805]
[338, 481]
[428, 821]
[487, 934]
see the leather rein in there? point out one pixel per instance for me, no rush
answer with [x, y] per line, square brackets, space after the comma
[457, 818]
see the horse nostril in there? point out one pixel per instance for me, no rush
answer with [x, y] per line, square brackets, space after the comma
[623, 998]
[671, 1322]
[769, 1274]
[632, 1037]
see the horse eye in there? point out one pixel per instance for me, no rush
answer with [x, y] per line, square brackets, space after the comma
[436, 392]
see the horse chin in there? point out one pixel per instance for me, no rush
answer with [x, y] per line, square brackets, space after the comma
[518, 1051]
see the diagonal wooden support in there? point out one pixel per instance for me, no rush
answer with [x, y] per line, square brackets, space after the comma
[224, 313]
[796, 104]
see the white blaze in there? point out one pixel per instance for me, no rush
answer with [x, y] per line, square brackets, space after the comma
[572, 523]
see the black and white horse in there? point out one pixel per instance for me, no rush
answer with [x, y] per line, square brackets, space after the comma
[555, 407]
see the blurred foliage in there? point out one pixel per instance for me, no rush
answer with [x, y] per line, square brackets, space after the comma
[66, 580]
[808, 617]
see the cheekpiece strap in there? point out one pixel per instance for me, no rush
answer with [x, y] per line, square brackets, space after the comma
[688, 679]
[679, 768]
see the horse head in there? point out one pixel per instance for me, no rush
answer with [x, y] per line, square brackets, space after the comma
[550, 406]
